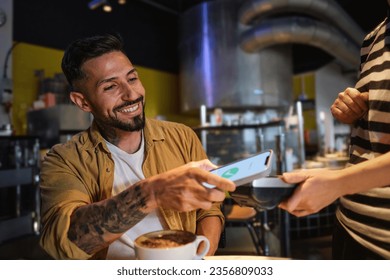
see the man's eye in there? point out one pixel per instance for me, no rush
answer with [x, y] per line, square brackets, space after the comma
[108, 87]
[133, 79]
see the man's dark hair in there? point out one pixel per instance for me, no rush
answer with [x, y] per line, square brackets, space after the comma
[84, 49]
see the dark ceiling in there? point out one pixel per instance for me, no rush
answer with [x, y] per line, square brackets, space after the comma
[150, 27]
[366, 13]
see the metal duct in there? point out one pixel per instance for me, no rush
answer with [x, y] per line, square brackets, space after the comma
[338, 34]
[301, 30]
[326, 10]
[216, 72]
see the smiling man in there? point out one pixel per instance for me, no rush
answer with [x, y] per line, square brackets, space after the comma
[127, 174]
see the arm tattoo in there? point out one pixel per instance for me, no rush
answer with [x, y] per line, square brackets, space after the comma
[91, 223]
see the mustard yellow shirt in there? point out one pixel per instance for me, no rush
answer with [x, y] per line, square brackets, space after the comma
[81, 172]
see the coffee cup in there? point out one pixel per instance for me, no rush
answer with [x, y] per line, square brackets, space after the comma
[170, 245]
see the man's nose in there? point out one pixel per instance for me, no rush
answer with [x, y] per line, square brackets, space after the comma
[128, 91]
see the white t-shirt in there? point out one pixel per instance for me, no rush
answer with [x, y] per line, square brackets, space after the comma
[128, 171]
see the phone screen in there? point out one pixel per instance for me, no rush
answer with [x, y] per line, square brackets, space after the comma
[246, 168]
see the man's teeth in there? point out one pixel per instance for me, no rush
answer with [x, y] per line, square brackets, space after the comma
[131, 109]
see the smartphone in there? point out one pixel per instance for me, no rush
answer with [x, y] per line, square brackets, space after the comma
[246, 170]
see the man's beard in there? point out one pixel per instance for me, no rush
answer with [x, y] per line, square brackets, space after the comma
[135, 124]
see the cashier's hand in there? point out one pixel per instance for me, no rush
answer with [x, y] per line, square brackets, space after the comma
[317, 189]
[350, 106]
[181, 188]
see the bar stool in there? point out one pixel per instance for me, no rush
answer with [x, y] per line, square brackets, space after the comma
[242, 216]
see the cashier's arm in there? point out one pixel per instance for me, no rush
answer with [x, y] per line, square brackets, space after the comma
[94, 226]
[318, 188]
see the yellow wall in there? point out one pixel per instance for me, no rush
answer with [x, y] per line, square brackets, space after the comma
[304, 83]
[162, 91]
[26, 60]
[304, 88]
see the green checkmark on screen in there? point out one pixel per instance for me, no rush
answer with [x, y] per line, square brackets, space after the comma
[230, 173]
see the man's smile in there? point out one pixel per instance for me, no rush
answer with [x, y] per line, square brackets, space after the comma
[130, 106]
[130, 109]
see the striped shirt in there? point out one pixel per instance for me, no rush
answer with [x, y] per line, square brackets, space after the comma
[366, 216]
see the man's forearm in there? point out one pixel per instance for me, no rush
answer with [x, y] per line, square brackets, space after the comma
[93, 227]
[211, 227]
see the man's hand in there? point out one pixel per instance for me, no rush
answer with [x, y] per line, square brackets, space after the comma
[350, 106]
[181, 188]
[95, 226]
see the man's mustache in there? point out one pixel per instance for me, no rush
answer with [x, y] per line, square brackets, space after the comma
[129, 103]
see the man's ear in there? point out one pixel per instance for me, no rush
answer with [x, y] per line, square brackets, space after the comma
[79, 99]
